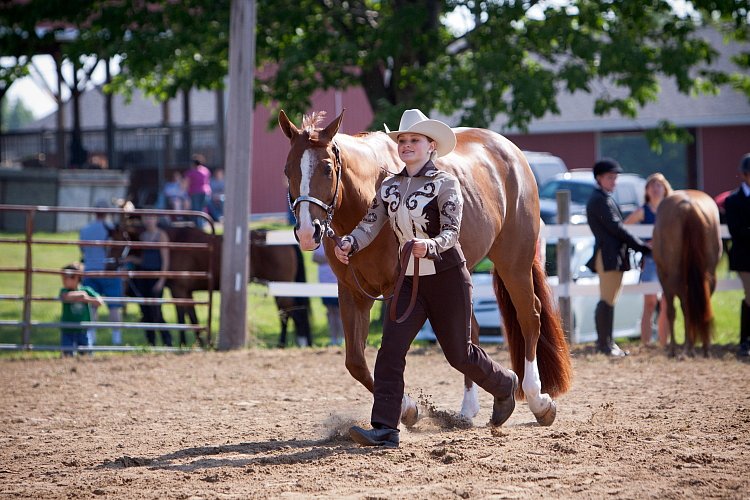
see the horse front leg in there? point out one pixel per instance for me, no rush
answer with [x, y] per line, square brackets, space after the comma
[355, 318]
[470, 402]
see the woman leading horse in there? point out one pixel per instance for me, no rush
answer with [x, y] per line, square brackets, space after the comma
[424, 206]
[333, 179]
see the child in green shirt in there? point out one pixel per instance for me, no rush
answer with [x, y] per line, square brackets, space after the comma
[76, 307]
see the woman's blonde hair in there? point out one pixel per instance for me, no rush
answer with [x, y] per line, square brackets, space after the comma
[658, 177]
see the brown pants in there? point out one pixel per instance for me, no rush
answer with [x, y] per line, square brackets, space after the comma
[444, 299]
[610, 282]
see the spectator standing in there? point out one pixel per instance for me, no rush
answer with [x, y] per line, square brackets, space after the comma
[77, 301]
[325, 275]
[610, 259]
[152, 259]
[198, 186]
[216, 207]
[657, 188]
[96, 258]
[737, 208]
[176, 194]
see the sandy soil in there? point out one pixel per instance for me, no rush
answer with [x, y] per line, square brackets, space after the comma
[271, 424]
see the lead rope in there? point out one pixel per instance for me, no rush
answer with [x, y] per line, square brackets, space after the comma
[404, 261]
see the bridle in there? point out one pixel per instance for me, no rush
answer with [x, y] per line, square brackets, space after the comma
[328, 208]
[328, 231]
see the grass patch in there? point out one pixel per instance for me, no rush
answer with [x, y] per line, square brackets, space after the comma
[263, 318]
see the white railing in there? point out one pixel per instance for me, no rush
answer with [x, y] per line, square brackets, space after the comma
[549, 232]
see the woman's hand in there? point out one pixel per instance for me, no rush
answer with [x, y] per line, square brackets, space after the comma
[342, 252]
[419, 250]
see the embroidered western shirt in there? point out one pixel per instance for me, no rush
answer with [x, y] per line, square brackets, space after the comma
[426, 206]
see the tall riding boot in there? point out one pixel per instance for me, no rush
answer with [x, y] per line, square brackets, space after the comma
[602, 327]
[744, 330]
[605, 320]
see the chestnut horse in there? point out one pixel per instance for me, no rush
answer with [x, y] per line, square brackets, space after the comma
[333, 178]
[687, 247]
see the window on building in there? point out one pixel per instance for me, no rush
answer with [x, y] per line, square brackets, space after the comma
[632, 151]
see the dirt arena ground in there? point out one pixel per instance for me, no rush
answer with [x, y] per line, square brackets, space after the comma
[272, 424]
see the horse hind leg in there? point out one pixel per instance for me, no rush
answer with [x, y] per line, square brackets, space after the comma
[515, 292]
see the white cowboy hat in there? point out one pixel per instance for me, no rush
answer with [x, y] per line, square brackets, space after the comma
[413, 121]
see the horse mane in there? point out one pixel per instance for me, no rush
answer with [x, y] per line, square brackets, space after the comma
[310, 122]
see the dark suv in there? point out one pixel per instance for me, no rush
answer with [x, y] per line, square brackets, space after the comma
[629, 192]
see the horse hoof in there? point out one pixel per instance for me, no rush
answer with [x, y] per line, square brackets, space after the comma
[546, 418]
[409, 413]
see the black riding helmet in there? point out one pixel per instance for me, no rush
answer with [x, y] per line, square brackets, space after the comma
[606, 165]
[745, 164]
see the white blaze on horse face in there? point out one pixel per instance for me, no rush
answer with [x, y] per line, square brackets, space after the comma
[306, 231]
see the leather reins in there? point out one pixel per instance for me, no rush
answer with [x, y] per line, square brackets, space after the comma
[328, 231]
[403, 264]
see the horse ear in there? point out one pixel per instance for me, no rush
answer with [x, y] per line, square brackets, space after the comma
[332, 129]
[287, 126]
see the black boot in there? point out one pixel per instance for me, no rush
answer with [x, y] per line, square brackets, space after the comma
[503, 407]
[744, 350]
[605, 320]
[384, 436]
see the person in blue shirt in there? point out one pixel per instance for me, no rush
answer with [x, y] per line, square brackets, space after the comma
[96, 258]
[657, 188]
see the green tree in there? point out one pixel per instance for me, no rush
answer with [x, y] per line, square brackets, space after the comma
[511, 60]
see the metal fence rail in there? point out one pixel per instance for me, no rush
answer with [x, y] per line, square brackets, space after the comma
[27, 324]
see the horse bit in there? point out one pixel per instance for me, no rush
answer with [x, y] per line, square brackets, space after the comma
[327, 230]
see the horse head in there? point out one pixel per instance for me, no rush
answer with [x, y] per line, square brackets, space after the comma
[313, 170]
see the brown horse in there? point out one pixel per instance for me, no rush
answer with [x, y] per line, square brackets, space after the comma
[267, 263]
[687, 247]
[333, 177]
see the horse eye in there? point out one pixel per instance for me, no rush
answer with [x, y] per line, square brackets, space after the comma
[327, 168]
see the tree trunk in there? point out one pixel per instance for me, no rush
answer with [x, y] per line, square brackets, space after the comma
[109, 121]
[167, 156]
[78, 155]
[187, 139]
[60, 136]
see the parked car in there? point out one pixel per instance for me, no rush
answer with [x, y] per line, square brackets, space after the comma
[628, 309]
[629, 193]
[544, 166]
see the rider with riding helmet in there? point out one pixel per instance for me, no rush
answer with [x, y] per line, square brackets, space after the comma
[424, 207]
[610, 259]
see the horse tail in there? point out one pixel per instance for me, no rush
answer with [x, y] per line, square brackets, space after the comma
[695, 258]
[553, 356]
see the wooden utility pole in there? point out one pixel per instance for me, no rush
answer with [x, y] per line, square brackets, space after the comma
[234, 254]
